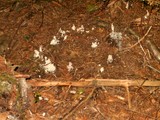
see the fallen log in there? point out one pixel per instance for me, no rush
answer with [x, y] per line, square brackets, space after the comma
[94, 83]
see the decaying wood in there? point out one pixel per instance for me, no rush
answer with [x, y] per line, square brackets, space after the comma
[24, 90]
[94, 83]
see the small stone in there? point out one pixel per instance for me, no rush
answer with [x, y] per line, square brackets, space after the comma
[73, 27]
[94, 44]
[101, 69]
[110, 59]
[54, 41]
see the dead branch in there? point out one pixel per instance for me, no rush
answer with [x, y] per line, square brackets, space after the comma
[129, 98]
[140, 40]
[94, 83]
[22, 76]
[79, 105]
[24, 90]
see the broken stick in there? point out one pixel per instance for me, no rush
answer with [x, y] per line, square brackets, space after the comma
[94, 83]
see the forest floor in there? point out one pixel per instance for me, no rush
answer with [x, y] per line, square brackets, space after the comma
[75, 41]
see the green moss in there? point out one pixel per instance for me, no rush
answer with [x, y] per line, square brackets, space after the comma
[91, 8]
[7, 77]
[6, 82]
[81, 91]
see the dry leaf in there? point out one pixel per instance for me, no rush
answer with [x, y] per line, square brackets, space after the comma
[4, 115]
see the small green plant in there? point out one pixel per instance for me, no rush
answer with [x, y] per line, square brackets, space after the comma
[80, 91]
[91, 7]
[26, 37]
[36, 96]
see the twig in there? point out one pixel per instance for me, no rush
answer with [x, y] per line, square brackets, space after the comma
[13, 40]
[99, 111]
[94, 83]
[140, 40]
[112, 3]
[22, 76]
[80, 104]
[129, 97]
[42, 18]
[154, 50]
[154, 69]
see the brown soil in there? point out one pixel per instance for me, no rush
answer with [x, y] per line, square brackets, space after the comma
[83, 29]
